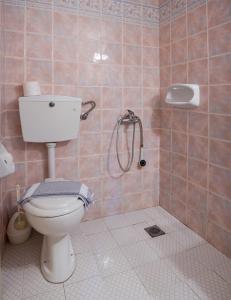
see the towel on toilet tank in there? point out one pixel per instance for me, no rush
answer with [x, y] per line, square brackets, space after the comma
[58, 188]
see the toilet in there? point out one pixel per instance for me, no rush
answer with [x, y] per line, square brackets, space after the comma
[50, 119]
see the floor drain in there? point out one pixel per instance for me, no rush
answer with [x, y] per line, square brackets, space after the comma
[154, 231]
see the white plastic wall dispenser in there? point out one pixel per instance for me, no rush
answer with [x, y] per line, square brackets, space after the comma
[7, 165]
[183, 95]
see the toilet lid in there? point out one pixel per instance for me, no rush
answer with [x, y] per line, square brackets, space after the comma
[53, 206]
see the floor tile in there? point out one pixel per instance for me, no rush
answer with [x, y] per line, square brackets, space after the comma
[208, 256]
[139, 253]
[185, 265]
[157, 277]
[112, 261]
[179, 291]
[12, 282]
[166, 245]
[136, 217]
[81, 244]
[126, 235]
[224, 270]
[94, 288]
[209, 285]
[34, 283]
[91, 227]
[116, 221]
[86, 267]
[57, 294]
[126, 286]
[101, 240]
[188, 238]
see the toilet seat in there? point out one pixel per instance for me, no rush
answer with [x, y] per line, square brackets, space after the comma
[52, 206]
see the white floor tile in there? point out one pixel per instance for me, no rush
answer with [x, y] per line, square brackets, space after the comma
[116, 221]
[224, 270]
[139, 253]
[179, 291]
[91, 227]
[112, 261]
[188, 238]
[92, 289]
[157, 277]
[166, 245]
[118, 260]
[126, 235]
[208, 256]
[126, 286]
[185, 265]
[57, 294]
[136, 217]
[209, 285]
[101, 240]
[140, 232]
[12, 282]
[86, 267]
[81, 244]
[34, 283]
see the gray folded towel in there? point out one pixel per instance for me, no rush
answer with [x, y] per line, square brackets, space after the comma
[58, 188]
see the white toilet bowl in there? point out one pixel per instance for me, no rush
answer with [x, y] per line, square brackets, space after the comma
[55, 217]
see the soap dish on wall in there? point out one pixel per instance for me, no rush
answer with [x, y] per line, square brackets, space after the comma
[183, 95]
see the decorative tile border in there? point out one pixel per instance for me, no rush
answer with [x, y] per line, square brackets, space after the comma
[172, 9]
[129, 11]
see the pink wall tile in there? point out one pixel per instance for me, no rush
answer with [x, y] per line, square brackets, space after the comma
[65, 73]
[64, 48]
[219, 211]
[219, 71]
[111, 31]
[218, 14]
[220, 153]
[14, 70]
[197, 172]
[39, 21]
[179, 165]
[179, 142]
[39, 46]
[178, 28]
[198, 123]
[219, 238]
[197, 20]
[14, 43]
[221, 92]
[219, 41]
[198, 72]
[133, 34]
[197, 46]
[65, 24]
[14, 18]
[39, 70]
[179, 52]
[198, 147]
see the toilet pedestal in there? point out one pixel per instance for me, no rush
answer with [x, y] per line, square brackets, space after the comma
[57, 258]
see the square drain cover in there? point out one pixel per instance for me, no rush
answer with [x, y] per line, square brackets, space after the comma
[154, 231]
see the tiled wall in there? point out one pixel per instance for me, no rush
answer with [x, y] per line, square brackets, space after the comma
[1, 82]
[102, 50]
[195, 145]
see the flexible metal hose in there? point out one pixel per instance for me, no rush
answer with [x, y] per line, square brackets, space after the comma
[130, 160]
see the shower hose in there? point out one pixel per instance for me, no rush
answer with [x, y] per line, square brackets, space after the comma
[130, 118]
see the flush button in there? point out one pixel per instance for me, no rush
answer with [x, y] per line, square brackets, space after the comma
[51, 104]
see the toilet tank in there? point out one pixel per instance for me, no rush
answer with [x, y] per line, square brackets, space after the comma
[49, 118]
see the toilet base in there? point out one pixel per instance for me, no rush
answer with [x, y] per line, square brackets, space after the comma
[57, 258]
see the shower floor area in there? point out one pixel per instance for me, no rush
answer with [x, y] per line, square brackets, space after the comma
[118, 260]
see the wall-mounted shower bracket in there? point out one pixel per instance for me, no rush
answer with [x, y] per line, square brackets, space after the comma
[84, 116]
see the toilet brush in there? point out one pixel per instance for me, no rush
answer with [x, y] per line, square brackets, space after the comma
[18, 229]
